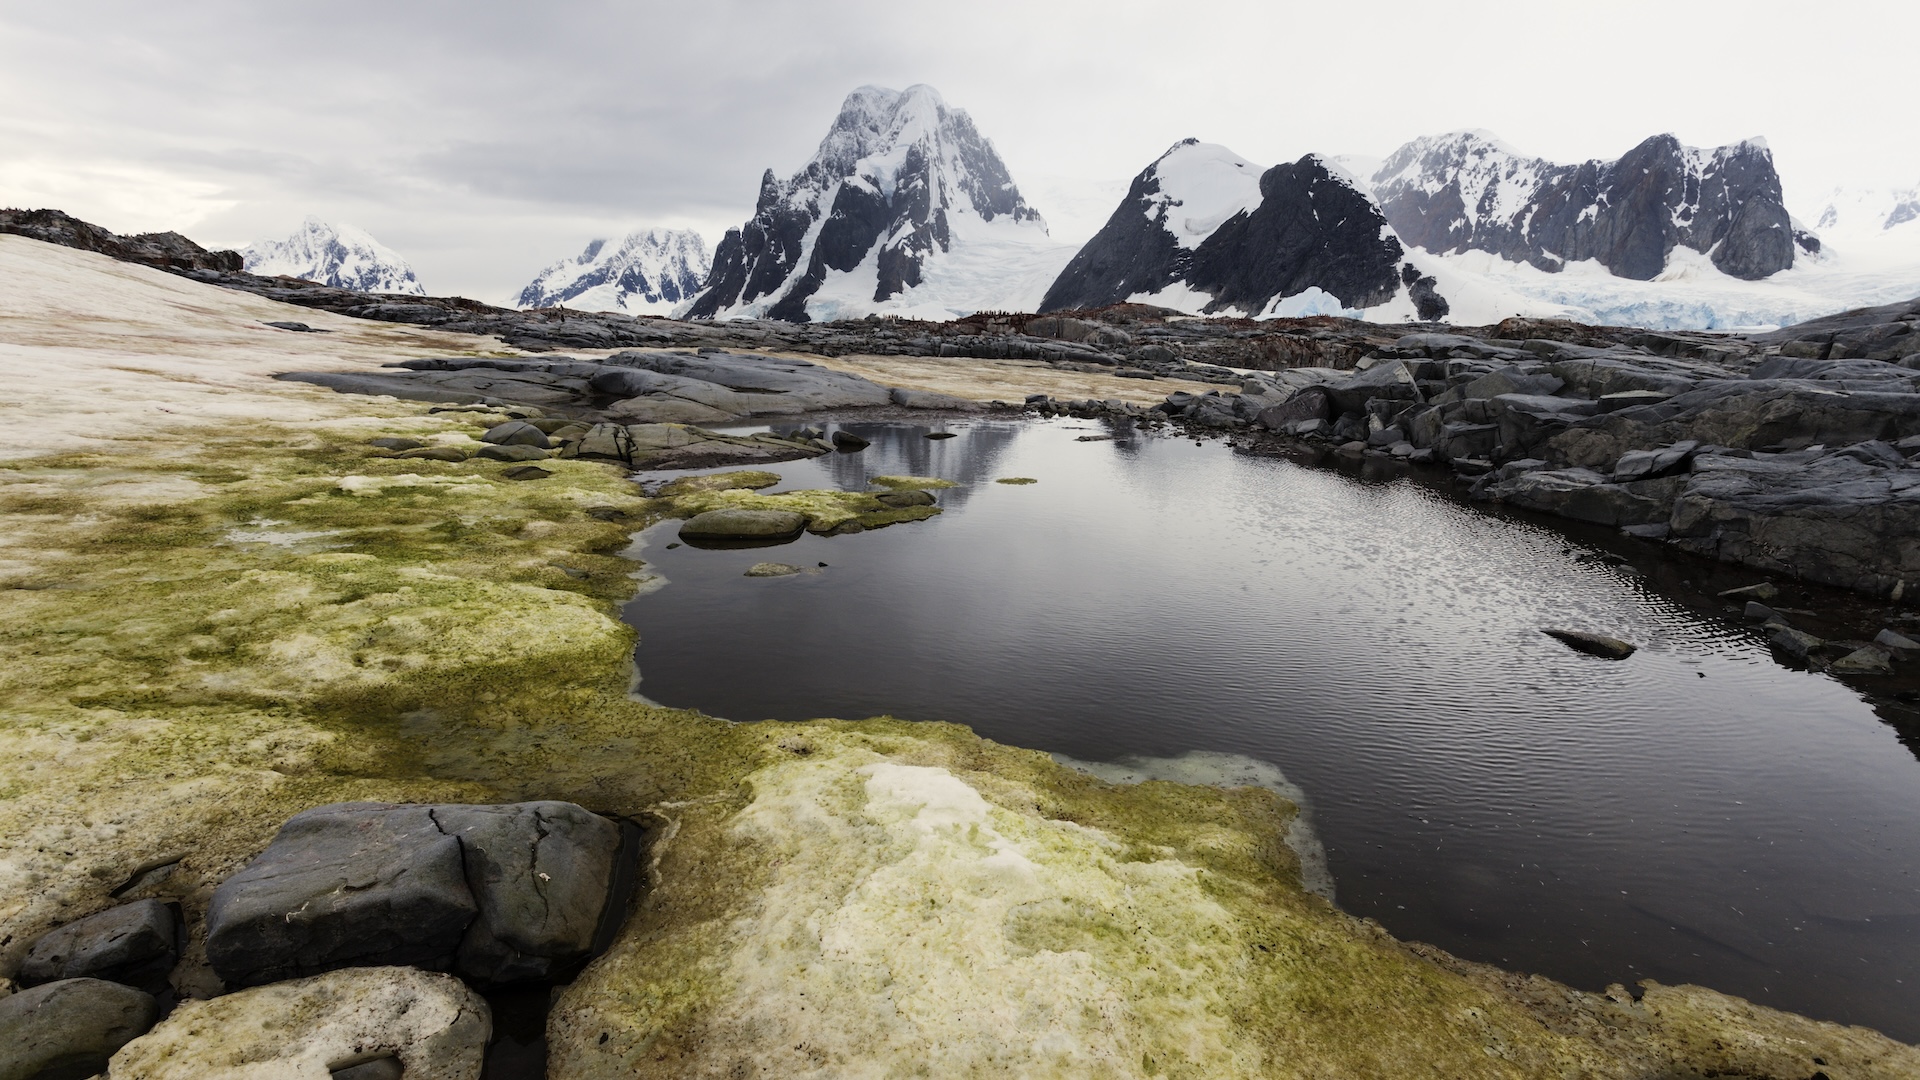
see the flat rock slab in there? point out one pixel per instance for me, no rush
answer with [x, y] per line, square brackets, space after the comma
[68, 1029]
[135, 944]
[432, 1024]
[494, 892]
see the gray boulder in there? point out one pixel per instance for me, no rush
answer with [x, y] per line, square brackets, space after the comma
[510, 453]
[348, 885]
[1311, 403]
[67, 1030]
[1653, 464]
[741, 525]
[494, 892]
[516, 433]
[135, 944]
[540, 873]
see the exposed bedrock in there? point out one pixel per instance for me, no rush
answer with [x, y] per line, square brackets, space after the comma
[495, 893]
[1796, 452]
[345, 1023]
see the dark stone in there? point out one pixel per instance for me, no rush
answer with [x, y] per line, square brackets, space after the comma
[848, 443]
[135, 944]
[1607, 648]
[349, 885]
[494, 893]
[526, 472]
[67, 1030]
[1311, 403]
[516, 433]
[539, 872]
[395, 443]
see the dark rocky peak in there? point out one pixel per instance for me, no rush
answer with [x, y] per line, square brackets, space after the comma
[1204, 218]
[895, 171]
[1468, 191]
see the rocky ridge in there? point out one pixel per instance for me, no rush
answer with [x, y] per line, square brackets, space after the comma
[1468, 192]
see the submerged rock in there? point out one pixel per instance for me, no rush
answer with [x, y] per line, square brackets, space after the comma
[1600, 645]
[433, 1025]
[67, 1030]
[1862, 661]
[772, 569]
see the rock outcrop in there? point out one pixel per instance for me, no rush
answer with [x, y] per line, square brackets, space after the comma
[496, 893]
[1796, 452]
[69, 1028]
[430, 1026]
[164, 250]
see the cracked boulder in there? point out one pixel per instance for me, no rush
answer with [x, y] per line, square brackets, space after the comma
[431, 1026]
[496, 893]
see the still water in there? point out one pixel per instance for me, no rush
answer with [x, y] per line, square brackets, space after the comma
[1695, 813]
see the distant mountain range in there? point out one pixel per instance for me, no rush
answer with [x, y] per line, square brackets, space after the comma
[342, 256]
[906, 209]
[650, 272]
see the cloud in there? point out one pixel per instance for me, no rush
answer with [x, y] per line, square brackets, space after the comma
[484, 139]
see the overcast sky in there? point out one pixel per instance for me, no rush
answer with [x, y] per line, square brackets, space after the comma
[484, 139]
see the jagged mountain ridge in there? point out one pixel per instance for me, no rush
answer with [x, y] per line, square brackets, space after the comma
[1203, 228]
[650, 271]
[899, 181]
[1467, 191]
[343, 256]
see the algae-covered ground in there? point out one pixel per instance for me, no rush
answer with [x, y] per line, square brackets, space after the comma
[215, 620]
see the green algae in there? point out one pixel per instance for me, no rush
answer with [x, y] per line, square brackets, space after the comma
[1016, 480]
[874, 897]
[826, 511]
[752, 479]
[912, 483]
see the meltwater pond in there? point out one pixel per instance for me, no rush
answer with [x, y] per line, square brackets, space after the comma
[1695, 813]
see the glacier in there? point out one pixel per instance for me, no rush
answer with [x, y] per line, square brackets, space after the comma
[651, 271]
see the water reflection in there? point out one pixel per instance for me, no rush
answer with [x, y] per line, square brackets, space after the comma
[1697, 813]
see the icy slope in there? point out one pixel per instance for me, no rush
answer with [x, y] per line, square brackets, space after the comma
[649, 272]
[342, 256]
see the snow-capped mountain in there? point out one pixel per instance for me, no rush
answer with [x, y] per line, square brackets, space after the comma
[650, 272]
[905, 208]
[1467, 191]
[1203, 229]
[1870, 218]
[342, 256]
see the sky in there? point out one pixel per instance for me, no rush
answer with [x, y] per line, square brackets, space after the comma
[484, 140]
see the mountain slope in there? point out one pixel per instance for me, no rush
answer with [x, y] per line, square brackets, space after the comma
[900, 184]
[342, 256]
[1203, 229]
[1467, 191]
[649, 272]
